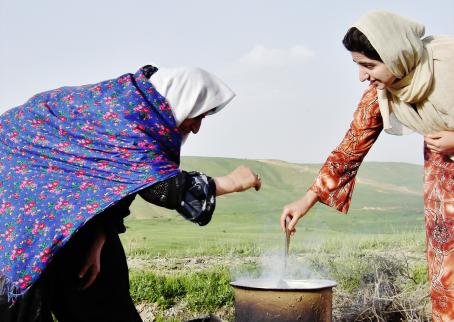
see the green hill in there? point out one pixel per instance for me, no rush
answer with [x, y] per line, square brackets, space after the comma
[387, 200]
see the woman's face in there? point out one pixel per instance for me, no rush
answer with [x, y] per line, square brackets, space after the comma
[373, 71]
[191, 125]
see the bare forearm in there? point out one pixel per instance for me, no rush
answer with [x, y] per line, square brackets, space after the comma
[240, 179]
[224, 185]
[310, 199]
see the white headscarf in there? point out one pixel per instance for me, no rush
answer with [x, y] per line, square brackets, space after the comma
[425, 72]
[191, 91]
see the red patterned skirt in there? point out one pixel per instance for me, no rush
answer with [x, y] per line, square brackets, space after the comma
[439, 217]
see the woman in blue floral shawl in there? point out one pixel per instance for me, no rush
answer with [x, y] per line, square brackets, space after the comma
[71, 162]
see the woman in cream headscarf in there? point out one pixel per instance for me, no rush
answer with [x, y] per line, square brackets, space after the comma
[411, 90]
[93, 148]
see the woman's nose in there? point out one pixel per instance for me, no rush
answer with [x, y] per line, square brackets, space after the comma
[363, 75]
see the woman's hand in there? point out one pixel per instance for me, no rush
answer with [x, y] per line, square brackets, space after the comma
[441, 142]
[92, 265]
[240, 179]
[296, 210]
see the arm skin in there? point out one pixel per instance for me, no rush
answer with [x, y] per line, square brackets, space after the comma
[240, 179]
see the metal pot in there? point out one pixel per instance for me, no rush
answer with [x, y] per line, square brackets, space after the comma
[264, 300]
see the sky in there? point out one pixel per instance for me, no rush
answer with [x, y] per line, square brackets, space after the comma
[296, 85]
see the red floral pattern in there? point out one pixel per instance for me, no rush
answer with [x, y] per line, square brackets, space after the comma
[336, 180]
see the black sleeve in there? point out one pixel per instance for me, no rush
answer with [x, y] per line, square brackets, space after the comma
[112, 217]
[191, 194]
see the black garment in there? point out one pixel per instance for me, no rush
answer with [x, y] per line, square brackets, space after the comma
[191, 194]
[108, 298]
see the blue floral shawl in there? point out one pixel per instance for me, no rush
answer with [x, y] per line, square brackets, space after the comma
[68, 154]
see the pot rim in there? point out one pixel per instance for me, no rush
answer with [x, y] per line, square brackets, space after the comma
[292, 285]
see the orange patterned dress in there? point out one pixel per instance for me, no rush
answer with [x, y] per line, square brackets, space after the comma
[336, 180]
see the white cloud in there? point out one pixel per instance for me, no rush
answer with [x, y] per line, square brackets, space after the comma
[261, 56]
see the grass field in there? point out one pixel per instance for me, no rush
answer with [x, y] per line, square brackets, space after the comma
[174, 262]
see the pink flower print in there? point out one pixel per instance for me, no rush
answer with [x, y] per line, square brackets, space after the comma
[110, 115]
[13, 135]
[80, 173]
[74, 159]
[85, 142]
[86, 185]
[109, 100]
[141, 108]
[62, 118]
[96, 90]
[63, 145]
[123, 80]
[52, 168]
[91, 208]
[39, 138]
[52, 187]
[150, 179]
[28, 208]
[37, 122]
[88, 127]
[6, 205]
[28, 183]
[61, 131]
[103, 164]
[138, 165]
[140, 127]
[63, 204]
[163, 107]
[21, 169]
[68, 98]
[82, 108]
[20, 114]
[118, 189]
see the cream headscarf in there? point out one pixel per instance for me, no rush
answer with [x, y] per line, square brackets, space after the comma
[425, 72]
[191, 91]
